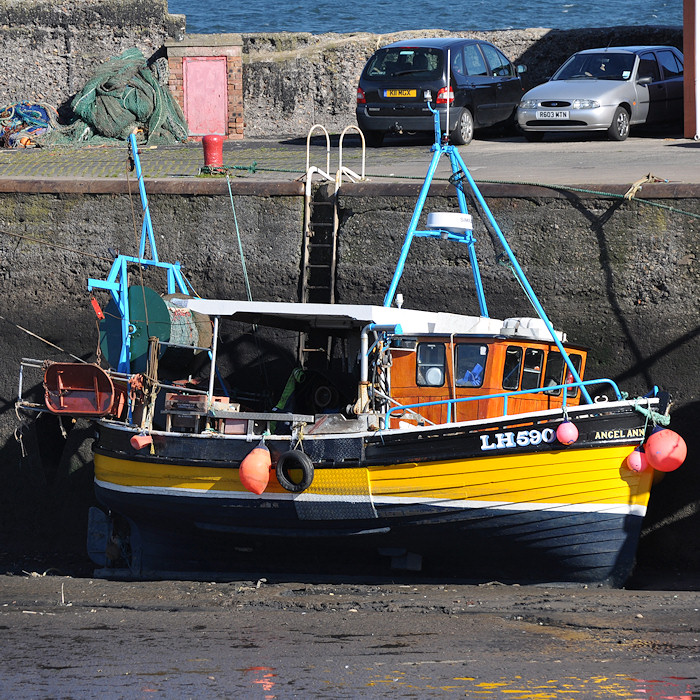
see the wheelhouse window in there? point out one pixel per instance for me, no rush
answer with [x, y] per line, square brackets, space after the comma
[511, 367]
[554, 373]
[430, 364]
[470, 362]
[532, 368]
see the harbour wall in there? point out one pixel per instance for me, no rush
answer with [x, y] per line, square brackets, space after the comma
[623, 280]
[291, 81]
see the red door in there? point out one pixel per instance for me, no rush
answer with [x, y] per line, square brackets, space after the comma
[206, 99]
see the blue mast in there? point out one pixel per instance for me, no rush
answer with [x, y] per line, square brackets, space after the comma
[460, 173]
[117, 282]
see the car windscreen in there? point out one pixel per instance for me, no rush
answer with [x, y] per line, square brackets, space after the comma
[404, 64]
[599, 66]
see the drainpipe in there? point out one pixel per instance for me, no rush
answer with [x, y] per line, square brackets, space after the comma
[696, 55]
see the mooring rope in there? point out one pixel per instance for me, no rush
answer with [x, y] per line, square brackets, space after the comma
[240, 243]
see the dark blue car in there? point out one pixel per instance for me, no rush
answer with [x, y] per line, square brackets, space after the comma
[484, 88]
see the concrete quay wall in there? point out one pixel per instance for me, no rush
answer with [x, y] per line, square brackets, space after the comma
[620, 277]
[291, 81]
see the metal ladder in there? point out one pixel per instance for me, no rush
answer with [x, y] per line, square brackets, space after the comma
[319, 252]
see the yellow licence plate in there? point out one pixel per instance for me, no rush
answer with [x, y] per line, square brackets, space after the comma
[400, 93]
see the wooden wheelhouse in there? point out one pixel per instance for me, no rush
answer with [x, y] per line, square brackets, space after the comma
[486, 376]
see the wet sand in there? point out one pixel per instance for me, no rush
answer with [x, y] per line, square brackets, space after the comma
[275, 638]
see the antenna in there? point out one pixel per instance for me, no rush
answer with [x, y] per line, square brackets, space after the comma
[449, 88]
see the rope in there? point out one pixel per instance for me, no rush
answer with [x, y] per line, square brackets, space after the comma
[504, 262]
[568, 188]
[221, 170]
[54, 245]
[150, 384]
[245, 277]
[43, 340]
[22, 122]
[636, 186]
[240, 244]
[656, 417]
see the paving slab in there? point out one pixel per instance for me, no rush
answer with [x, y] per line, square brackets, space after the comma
[558, 160]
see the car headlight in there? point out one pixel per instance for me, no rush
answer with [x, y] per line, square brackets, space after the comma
[528, 104]
[584, 104]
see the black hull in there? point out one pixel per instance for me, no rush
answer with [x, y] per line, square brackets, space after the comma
[545, 524]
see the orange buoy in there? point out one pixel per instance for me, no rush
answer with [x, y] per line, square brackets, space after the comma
[138, 442]
[254, 471]
[665, 450]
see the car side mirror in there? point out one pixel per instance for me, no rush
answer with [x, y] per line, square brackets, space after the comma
[646, 80]
[521, 69]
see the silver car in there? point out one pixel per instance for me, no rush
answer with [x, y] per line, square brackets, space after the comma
[608, 90]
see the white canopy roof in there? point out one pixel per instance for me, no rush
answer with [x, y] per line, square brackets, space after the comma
[298, 316]
[303, 317]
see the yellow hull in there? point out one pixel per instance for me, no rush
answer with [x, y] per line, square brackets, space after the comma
[586, 477]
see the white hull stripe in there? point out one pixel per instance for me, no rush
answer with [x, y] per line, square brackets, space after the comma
[601, 508]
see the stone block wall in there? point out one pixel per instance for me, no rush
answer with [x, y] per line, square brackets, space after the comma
[49, 50]
[284, 82]
[295, 80]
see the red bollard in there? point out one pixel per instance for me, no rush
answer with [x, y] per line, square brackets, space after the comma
[213, 150]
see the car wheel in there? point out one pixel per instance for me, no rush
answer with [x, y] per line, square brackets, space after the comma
[619, 130]
[533, 136]
[464, 131]
[374, 139]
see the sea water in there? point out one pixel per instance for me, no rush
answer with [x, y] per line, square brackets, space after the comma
[387, 16]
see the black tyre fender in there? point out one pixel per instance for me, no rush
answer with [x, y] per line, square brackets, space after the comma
[294, 459]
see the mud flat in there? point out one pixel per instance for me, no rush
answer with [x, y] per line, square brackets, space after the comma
[65, 636]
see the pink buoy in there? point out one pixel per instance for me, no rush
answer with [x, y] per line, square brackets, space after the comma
[637, 460]
[138, 442]
[665, 450]
[254, 471]
[567, 433]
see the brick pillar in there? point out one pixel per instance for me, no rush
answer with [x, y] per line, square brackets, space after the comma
[229, 46]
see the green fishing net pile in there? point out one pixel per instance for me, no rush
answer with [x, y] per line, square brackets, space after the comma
[124, 95]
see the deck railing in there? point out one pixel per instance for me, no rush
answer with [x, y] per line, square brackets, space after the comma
[415, 408]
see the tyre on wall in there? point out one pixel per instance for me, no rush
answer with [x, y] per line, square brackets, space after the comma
[294, 460]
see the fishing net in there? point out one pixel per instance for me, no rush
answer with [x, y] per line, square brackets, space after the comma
[22, 123]
[124, 96]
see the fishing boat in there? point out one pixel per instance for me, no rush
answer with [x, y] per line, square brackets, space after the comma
[456, 445]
